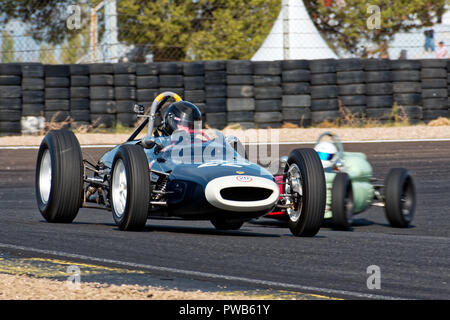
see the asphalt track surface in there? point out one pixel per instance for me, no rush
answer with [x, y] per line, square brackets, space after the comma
[414, 262]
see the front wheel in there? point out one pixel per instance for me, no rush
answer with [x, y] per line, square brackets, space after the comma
[130, 188]
[305, 184]
[59, 176]
[342, 201]
[400, 197]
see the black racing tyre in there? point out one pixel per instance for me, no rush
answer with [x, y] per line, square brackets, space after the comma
[146, 69]
[301, 100]
[53, 70]
[325, 104]
[377, 76]
[127, 119]
[130, 188]
[433, 73]
[79, 69]
[32, 84]
[79, 81]
[342, 201]
[79, 92]
[32, 70]
[216, 120]
[101, 68]
[379, 113]
[385, 101]
[215, 105]
[101, 93]
[373, 89]
[216, 77]
[124, 80]
[32, 109]
[57, 105]
[400, 197]
[239, 67]
[125, 106]
[57, 82]
[351, 89]
[146, 94]
[215, 65]
[216, 91]
[124, 68]
[194, 69]
[10, 115]
[377, 64]
[268, 105]
[267, 117]
[241, 79]
[435, 103]
[405, 75]
[10, 104]
[103, 120]
[79, 104]
[294, 64]
[103, 106]
[194, 95]
[80, 115]
[296, 76]
[9, 127]
[178, 91]
[147, 82]
[267, 93]
[10, 69]
[349, 77]
[242, 91]
[322, 66]
[57, 93]
[264, 81]
[305, 180]
[434, 114]
[406, 87]
[323, 78]
[176, 81]
[323, 92]
[268, 68]
[296, 114]
[194, 83]
[101, 80]
[320, 116]
[405, 64]
[408, 99]
[170, 68]
[10, 91]
[434, 93]
[353, 100]
[240, 116]
[227, 224]
[434, 83]
[351, 64]
[7, 80]
[59, 177]
[57, 116]
[34, 96]
[125, 93]
[433, 63]
[293, 88]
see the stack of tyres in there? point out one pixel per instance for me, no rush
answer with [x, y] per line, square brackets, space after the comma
[434, 88]
[406, 89]
[296, 98]
[79, 96]
[324, 103]
[32, 120]
[351, 87]
[57, 95]
[10, 98]
[448, 86]
[267, 92]
[125, 93]
[171, 77]
[147, 83]
[216, 93]
[194, 85]
[101, 91]
[240, 97]
[378, 89]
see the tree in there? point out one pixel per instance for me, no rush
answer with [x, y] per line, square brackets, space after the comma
[75, 48]
[347, 24]
[234, 30]
[47, 54]
[7, 47]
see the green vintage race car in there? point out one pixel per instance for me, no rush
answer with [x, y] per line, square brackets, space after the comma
[351, 187]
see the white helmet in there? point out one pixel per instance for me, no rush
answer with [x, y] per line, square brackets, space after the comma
[327, 153]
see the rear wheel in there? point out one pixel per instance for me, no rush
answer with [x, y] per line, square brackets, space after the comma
[227, 224]
[305, 183]
[342, 201]
[130, 188]
[400, 197]
[59, 177]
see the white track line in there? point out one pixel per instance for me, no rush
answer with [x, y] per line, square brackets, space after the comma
[204, 275]
[249, 143]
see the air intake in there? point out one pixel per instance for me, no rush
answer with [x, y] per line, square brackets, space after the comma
[245, 193]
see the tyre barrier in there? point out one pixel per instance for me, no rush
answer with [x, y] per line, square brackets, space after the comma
[254, 94]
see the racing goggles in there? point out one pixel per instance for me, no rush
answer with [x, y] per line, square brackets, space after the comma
[325, 156]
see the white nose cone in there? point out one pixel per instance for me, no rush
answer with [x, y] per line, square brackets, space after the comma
[242, 193]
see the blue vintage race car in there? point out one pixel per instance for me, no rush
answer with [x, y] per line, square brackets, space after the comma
[176, 170]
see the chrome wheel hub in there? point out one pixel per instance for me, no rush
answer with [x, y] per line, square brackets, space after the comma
[119, 188]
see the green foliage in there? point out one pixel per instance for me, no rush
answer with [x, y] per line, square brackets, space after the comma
[7, 47]
[346, 26]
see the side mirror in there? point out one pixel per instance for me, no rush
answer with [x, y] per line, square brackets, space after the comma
[283, 161]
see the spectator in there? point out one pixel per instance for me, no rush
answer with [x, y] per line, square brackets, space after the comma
[403, 55]
[442, 52]
[429, 40]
